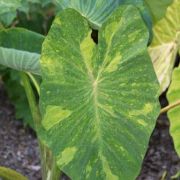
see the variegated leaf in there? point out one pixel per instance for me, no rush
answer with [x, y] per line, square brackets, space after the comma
[173, 96]
[166, 42]
[98, 101]
[158, 8]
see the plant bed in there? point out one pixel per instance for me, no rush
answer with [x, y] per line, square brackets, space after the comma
[19, 147]
[87, 77]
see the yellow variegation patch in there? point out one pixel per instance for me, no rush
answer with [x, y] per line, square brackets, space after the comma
[113, 65]
[66, 156]
[107, 170]
[54, 115]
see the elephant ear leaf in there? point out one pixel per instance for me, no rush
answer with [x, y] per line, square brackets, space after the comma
[173, 96]
[97, 11]
[165, 44]
[98, 100]
[158, 8]
[20, 49]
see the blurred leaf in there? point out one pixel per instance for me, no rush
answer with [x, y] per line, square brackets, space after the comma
[20, 49]
[42, 2]
[173, 96]
[17, 96]
[9, 9]
[158, 8]
[10, 174]
[39, 18]
[176, 176]
[46, 2]
[165, 44]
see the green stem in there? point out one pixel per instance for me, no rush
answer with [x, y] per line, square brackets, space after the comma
[170, 106]
[56, 173]
[31, 100]
[49, 168]
[36, 84]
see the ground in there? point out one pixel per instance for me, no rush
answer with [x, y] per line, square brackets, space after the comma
[19, 147]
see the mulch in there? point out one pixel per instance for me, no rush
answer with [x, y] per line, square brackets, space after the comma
[19, 147]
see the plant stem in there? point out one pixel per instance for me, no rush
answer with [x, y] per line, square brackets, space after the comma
[31, 100]
[49, 168]
[171, 106]
[36, 84]
[55, 171]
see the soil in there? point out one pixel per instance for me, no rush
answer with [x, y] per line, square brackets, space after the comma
[19, 147]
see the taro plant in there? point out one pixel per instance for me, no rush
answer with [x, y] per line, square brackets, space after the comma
[98, 95]
[164, 50]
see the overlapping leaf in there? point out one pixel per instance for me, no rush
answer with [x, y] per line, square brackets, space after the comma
[97, 11]
[158, 8]
[98, 101]
[173, 96]
[166, 42]
[20, 49]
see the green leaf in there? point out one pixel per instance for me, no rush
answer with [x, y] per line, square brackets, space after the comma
[11, 80]
[42, 2]
[39, 18]
[20, 49]
[97, 11]
[99, 101]
[165, 44]
[158, 8]
[173, 96]
[46, 2]
[8, 10]
[9, 174]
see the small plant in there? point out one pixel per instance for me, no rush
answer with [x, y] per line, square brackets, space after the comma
[98, 92]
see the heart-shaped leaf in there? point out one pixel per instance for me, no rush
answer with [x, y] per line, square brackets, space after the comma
[173, 96]
[99, 101]
[20, 49]
[165, 44]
